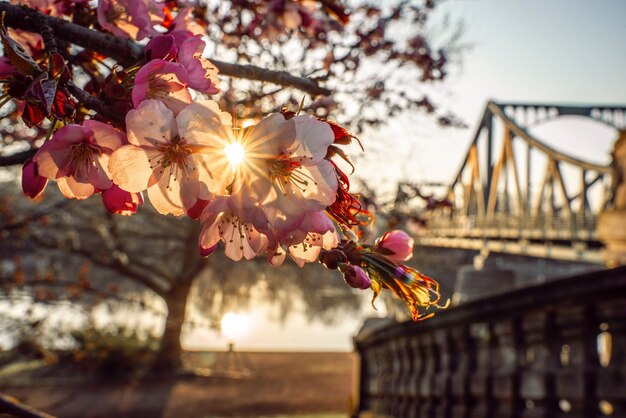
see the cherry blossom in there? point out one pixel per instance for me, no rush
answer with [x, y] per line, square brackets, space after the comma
[184, 22]
[129, 18]
[201, 73]
[164, 81]
[284, 165]
[177, 159]
[303, 236]
[396, 245]
[224, 220]
[77, 157]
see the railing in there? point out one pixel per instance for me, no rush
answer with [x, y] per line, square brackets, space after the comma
[555, 350]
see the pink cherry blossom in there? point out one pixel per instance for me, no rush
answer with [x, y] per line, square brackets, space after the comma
[33, 184]
[78, 156]
[304, 236]
[184, 22]
[355, 276]
[224, 220]
[284, 165]
[201, 73]
[177, 159]
[133, 19]
[164, 81]
[118, 201]
[398, 243]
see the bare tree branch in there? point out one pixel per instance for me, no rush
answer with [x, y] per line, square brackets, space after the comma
[128, 52]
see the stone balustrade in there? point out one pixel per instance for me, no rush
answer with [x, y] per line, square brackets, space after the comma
[553, 350]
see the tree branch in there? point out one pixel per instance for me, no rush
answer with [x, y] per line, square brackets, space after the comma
[127, 52]
[93, 103]
[17, 158]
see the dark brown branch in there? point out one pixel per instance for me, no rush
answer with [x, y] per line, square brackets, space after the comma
[93, 103]
[251, 72]
[127, 52]
[12, 406]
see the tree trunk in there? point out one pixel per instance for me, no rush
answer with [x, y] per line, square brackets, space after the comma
[169, 355]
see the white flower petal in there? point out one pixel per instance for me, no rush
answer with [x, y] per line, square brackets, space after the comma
[165, 195]
[130, 167]
[152, 123]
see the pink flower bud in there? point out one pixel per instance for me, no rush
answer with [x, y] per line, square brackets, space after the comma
[396, 245]
[118, 201]
[355, 276]
[32, 183]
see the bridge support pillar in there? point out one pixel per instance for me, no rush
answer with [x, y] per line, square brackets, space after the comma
[478, 281]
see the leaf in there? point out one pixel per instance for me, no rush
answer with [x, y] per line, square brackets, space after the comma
[32, 114]
[42, 90]
[16, 54]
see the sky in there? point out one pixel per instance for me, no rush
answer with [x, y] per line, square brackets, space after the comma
[554, 51]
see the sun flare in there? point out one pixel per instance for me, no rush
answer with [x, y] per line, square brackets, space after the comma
[234, 326]
[235, 153]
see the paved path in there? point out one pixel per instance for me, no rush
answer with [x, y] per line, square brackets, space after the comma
[291, 384]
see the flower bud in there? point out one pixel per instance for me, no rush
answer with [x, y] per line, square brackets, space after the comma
[396, 245]
[355, 276]
[32, 183]
[118, 201]
[331, 259]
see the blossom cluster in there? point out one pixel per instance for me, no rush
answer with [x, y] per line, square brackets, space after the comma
[269, 189]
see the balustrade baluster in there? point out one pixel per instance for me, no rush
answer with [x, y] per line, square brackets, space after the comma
[574, 383]
[611, 361]
[427, 377]
[506, 379]
[460, 379]
[538, 366]
[481, 379]
[443, 377]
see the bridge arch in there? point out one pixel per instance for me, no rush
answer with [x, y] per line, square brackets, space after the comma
[494, 203]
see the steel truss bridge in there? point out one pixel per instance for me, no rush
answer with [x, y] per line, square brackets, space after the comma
[497, 206]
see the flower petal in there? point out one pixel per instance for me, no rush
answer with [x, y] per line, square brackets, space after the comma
[152, 123]
[130, 167]
[105, 135]
[165, 194]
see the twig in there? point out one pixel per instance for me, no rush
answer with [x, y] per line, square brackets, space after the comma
[93, 103]
[10, 405]
[127, 52]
